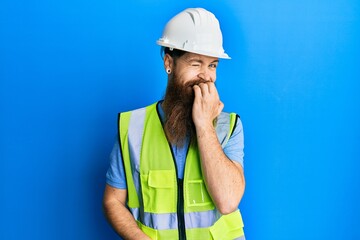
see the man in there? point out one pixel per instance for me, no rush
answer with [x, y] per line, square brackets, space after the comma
[176, 171]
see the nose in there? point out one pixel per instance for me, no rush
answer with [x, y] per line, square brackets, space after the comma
[206, 75]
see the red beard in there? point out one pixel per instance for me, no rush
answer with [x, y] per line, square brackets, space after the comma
[178, 103]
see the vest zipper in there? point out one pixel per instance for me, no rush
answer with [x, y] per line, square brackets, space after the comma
[180, 210]
[180, 202]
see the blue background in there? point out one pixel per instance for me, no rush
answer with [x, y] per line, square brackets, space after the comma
[67, 68]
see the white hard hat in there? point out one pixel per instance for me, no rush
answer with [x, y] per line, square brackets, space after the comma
[194, 30]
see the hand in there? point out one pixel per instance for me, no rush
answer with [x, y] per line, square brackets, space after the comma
[207, 105]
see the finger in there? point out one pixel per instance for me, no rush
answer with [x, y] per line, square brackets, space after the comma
[197, 91]
[204, 88]
[212, 87]
[213, 91]
[220, 108]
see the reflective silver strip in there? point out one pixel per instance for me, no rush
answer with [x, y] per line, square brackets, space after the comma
[163, 221]
[135, 133]
[201, 219]
[240, 238]
[159, 221]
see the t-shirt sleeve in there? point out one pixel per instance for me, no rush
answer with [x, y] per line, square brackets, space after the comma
[115, 175]
[234, 149]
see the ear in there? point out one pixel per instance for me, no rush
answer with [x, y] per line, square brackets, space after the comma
[168, 62]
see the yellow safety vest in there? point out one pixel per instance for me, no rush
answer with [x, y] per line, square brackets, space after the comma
[164, 206]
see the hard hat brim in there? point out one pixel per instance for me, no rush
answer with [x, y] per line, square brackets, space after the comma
[205, 53]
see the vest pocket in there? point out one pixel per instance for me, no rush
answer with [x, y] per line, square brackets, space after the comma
[228, 227]
[197, 194]
[159, 191]
[152, 233]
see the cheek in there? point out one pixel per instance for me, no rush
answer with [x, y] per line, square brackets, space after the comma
[213, 76]
[187, 76]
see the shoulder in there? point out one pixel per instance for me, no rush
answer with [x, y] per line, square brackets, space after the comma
[226, 119]
[226, 125]
[139, 110]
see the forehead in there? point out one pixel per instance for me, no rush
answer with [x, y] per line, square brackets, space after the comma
[194, 56]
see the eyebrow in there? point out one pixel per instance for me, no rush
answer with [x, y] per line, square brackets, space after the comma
[201, 61]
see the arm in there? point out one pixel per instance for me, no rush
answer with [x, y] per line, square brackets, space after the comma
[119, 216]
[224, 178]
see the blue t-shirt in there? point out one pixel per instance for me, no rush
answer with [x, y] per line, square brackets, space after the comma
[115, 175]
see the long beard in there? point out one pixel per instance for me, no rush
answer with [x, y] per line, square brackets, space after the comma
[178, 103]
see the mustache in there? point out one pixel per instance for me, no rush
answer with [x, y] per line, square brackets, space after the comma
[187, 93]
[192, 83]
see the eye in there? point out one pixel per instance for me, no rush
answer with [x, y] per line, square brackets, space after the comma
[213, 65]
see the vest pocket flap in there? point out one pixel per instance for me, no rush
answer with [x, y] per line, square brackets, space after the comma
[150, 232]
[229, 226]
[161, 178]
